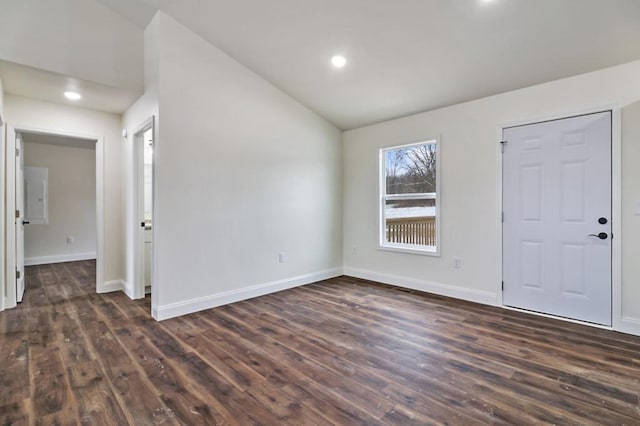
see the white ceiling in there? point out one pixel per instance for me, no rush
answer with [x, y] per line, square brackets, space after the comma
[78, 38]
[405, 56]
[31, 82]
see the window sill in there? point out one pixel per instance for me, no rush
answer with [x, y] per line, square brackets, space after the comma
[427, 251]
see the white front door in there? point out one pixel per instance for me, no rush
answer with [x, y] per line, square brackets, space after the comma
[557, 217]
[19, 219]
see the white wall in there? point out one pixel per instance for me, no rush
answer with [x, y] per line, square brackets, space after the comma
[78, 38]
[71, 204]
[470, 179]
[1, 98]
[23, 112]
[132, 120]
[243, 172]
[630, 213]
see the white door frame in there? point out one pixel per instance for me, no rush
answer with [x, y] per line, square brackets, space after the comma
[19, 220]
[2, 221]
[138, 210]
[616, 207]
[10, 228]
[10, 300]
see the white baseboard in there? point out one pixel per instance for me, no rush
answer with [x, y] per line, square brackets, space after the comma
[110, 286]
[45, 260]
[207, 302]
[478, 296]
[629, 326]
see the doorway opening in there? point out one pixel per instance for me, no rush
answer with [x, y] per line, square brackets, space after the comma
[144, 211]
[54, 204]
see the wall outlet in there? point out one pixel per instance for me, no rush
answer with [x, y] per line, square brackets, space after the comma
[281, 257]
[457, 262]
[69, 240]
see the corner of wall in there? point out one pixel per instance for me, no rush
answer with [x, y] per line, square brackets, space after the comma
[128, 289]
[152, 52]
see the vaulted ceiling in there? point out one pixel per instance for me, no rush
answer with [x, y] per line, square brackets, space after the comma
[404, 56]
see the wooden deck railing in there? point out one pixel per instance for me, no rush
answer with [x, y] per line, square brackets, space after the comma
[412, 230]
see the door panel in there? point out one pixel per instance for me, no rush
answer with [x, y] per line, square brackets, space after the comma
[531, 255]
[557, 184]
[573, 196]
[531, 178]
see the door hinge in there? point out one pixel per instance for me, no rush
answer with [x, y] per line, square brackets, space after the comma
[502, 144]
[502, 285]
[17, 214]
[502, 217]
[17, 275]
[17, 152]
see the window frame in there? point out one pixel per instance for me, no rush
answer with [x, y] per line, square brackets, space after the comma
[383, 197]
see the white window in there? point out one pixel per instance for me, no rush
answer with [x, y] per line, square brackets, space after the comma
[409, 190]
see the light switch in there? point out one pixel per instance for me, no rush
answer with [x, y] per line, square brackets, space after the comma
[636, 208]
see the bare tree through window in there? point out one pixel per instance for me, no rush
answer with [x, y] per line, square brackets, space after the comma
[409, 199]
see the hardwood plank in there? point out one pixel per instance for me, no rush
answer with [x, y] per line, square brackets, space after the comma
[239, 374]
[376, 378]
[173, 388]
[343, 351]
[96, 402]
[14, 358]
[330, 406]
[106, 346]
[14, 385]
[283, 406]
[50, 392]
[632, 398]
[14, 413]
[144, 406]
[358, 395]
[72, 342]
[67, 418]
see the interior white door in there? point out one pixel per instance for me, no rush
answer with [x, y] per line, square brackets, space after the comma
[557, 217]
[20, 221]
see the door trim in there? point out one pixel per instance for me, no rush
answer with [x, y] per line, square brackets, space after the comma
[616, 206]
[10, 229]
[100, 205]
[3, 128]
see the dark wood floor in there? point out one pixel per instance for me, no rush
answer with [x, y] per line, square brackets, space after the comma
[343, 351]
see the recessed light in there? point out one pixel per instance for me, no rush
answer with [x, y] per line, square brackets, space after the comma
[339, 61]
[74, 96]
